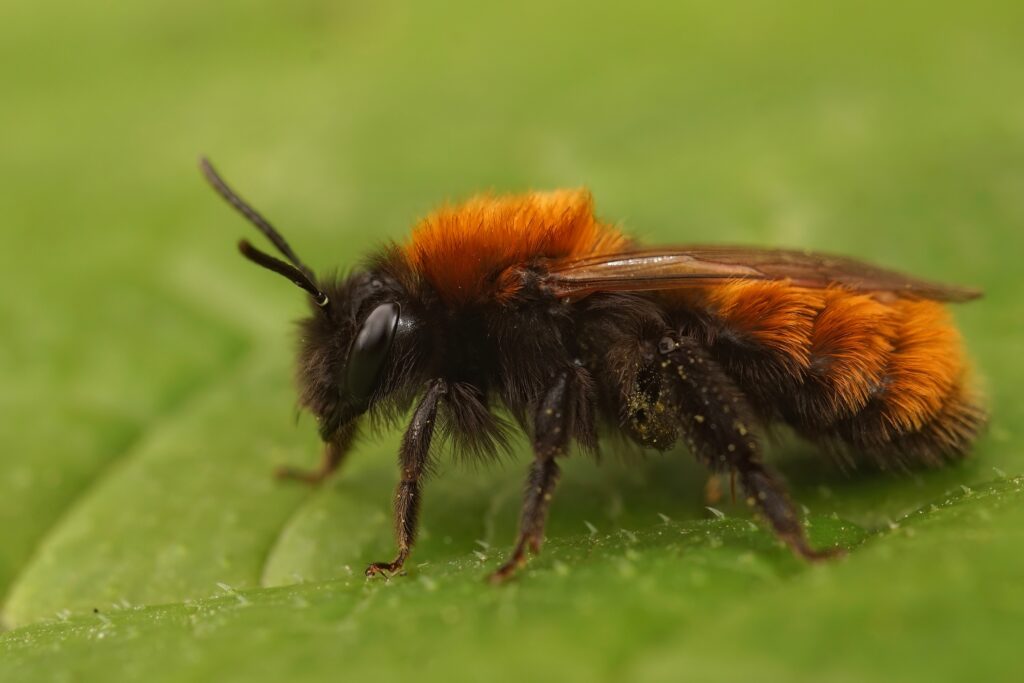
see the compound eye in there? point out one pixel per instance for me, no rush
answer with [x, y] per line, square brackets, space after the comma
[369, 350]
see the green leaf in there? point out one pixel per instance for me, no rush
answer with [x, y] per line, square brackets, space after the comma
[146, 393]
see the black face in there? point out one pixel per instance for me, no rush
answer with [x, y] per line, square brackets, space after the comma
[362, 351]
[369, 350]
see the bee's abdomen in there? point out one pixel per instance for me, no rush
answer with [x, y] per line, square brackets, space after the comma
[922, 409]
[885, 376]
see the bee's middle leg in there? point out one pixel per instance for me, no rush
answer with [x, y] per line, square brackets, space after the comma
[552, 426]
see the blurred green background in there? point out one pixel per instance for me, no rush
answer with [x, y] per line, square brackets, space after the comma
[146, 396]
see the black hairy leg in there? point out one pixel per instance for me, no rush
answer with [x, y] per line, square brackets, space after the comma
[717, 424]
[337, 444]
[552, 427]
[413, 458]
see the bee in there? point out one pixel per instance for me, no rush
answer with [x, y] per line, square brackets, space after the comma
[532, 305]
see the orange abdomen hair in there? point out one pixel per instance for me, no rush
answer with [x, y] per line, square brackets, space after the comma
[463, 251]
[886, 375]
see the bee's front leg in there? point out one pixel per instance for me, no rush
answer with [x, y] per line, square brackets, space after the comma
[414, 455]
[337, 443]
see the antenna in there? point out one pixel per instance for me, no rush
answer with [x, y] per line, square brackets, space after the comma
[297, 271]
[264, 259]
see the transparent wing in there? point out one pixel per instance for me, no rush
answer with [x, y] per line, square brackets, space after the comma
[700, 266]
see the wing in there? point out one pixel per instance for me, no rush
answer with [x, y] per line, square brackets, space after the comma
[700, 266]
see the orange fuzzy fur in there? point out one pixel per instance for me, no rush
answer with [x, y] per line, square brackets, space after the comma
[850, 347]
[925, 368]
[773, 314]
[464, 250]
[904, 353]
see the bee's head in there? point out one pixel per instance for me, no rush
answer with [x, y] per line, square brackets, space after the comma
[362, 351]
[357, 349]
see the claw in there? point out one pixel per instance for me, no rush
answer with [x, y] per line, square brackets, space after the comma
[503, 573]
[509, 569]
[388, 569]
[800, 548]
[824, 555]
[385, 568]
[311, 477]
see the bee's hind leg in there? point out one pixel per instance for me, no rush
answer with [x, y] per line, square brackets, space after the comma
[718, 426]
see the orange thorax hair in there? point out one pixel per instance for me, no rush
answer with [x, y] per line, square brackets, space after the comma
[466, 251]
